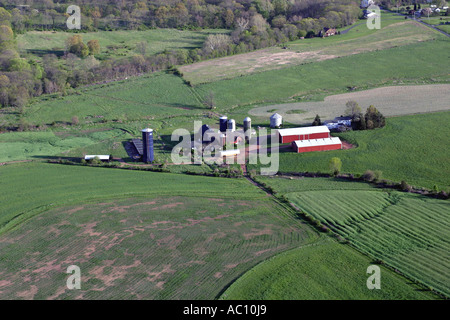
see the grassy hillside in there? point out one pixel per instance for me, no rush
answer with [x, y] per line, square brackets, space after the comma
[399, 65]
[319, 272]
[395, 32]
[153, 96]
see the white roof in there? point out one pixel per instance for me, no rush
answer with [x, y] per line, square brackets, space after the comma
[147, 130]
[317, 142]
[276, 116]
[304, 130]
[232, 152]
[100, 157]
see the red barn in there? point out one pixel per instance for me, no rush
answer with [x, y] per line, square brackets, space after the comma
[305, 133]
[317, 145]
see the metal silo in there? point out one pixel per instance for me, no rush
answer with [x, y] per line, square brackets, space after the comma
[276, 120]
[223, 123]
[248, 128]
[147, 141]
[231, 125]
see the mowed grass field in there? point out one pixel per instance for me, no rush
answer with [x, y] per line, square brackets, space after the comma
[410, 148]
[395, 32]
[320, 272]
[406, 231]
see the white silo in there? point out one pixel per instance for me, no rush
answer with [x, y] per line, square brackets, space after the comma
[231, 125]
[276, 120]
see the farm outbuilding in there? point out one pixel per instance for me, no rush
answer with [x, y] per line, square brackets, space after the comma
[276, 120]
[100, 157]
[326, 144]
[305, 133]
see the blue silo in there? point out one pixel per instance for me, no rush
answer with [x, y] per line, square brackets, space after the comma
[223, 123]
[147, 141]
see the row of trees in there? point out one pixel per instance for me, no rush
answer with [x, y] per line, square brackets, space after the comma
[127, 14]
[19, 79]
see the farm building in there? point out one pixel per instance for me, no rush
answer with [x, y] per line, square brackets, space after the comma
[326, 144]
[327, 32]
[143, 149]
[305, 133]
[276, 120]
[99, 157]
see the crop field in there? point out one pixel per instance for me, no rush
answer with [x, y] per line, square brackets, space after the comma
[393, 66]
[320, 271]
[395, 32]
[31, 188]
[390, 101]
[408, 148]
[150, 248]
[406, 231]
[116, 43]
[147, 234]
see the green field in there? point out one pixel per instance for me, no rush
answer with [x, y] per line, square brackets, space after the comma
[408, 148]
[29, 189]
[116, 43]
[151, 236]
[406, 231]
[152, 96]
[395, 32]
[153, 247]
[392, 66]
[319, 272]
[15, 146]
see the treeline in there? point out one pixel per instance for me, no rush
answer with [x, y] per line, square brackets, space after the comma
[127, 14]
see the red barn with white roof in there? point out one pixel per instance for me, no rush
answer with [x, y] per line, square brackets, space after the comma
[305, 133]
[317, 145]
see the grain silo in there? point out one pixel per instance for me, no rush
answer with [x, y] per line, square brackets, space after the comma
[147, 141]
[223, 123]
[276, 120]
[231, 125]
[247, 128]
